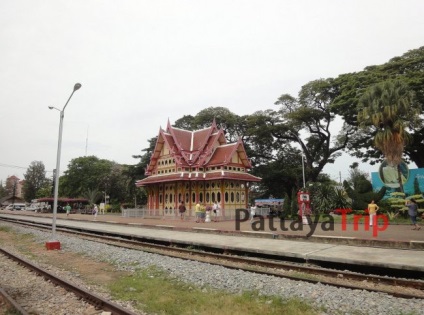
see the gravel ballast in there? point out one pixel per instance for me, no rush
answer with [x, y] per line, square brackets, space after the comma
[334, 300]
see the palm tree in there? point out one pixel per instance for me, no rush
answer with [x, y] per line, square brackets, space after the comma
[387, 108]
[92, 195]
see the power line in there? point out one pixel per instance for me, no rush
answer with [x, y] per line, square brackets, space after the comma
[11, 166]
[15, 166]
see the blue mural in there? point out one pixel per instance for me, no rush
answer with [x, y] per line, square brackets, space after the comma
[408, 177]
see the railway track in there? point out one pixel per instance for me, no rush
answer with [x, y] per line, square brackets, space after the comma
[9, 304]
[395, 286]
[21, 299]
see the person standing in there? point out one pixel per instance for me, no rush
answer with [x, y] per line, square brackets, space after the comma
[252, 213]
[182, 210]
[202, 213]
[197, 212]
[372, 211]
[208, 214]
[215, 209]
[413, 212]
[95, 210]
[68, 209]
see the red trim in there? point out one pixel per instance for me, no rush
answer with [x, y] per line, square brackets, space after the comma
[209, 176]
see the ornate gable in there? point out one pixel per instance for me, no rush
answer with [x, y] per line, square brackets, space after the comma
[233, 153]
[177, 149]
[193, 146]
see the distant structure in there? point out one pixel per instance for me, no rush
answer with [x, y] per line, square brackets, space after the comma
[197, 166]
[14, 190]
[14, 186]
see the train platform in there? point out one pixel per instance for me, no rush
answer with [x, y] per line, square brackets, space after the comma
[336, 246]
[400, 236]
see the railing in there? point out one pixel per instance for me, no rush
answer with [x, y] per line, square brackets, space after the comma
[262, 211]
[141, 213]
[173, 214]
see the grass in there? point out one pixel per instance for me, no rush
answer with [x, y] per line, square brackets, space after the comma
[155, 292]
[12, 311]
[5, 229]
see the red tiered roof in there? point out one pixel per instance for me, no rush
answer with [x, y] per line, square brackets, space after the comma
[203, 148]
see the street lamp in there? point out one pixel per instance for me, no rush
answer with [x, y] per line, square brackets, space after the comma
[54, 243]
[303, 171]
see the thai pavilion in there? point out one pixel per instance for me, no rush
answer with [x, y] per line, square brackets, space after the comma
[197, 166]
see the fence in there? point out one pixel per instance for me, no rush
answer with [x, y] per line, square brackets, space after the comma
[172, 214]
[140, 213]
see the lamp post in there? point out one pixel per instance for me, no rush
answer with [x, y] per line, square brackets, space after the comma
[303, 171]
[54, 243]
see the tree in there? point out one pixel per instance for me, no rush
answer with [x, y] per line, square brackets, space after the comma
[307, 121]
[87, 173]
[136, 172]
[408, 68]
[3, 192]
[281, 174]
[386, 109]
[363, 193]
[35, 179]
[93, 196]
[45, 190]
[358, 179]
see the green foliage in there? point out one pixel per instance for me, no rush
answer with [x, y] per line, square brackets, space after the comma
[84, 174]
[281, 175]
[311, 114]
[286, 205]
[46, 190]
[388, 108]
[115, 208]
[396, 202]
[408, 69]
[35, 179]
[341, 199]
[3, 192]
[327, 197]
[391, 215]
[93, 176]
[93, 196]
[362, 197]
[293, 205]
[418, 198]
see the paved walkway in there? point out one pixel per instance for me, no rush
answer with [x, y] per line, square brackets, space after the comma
[198, 234]
[395, 236]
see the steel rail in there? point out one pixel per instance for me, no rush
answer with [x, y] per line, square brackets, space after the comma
[238, 258]
[12, 304]
[90, 297]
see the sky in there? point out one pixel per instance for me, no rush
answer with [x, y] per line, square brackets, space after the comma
[141, 63]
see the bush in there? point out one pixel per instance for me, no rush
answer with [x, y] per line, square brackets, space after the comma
[342, 210]
[115, 208]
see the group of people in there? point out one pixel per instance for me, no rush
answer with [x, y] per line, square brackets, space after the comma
[411, 204]
[95, 210]
[202, 212]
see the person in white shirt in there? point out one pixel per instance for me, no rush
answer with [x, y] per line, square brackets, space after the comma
[252, 213]
[216, 211]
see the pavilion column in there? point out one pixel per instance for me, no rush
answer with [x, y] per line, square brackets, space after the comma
[222, 189]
